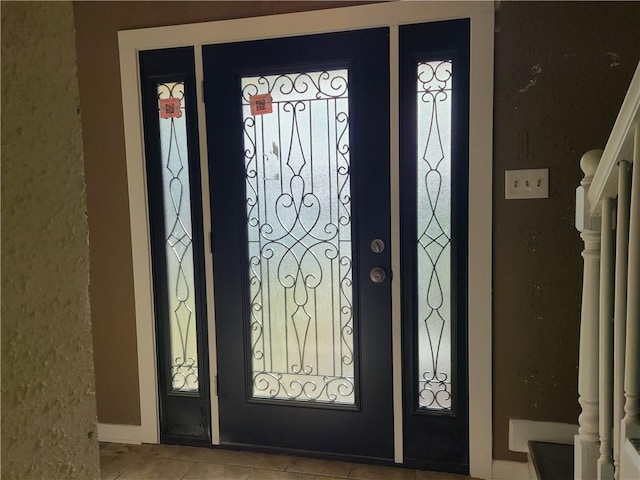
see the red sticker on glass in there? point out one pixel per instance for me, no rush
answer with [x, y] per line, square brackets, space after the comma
[261, 104]
[170, 108]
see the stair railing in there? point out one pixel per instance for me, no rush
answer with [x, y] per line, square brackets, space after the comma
[608, 218]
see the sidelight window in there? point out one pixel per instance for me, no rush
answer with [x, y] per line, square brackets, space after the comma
[178, 241]
[434, 99]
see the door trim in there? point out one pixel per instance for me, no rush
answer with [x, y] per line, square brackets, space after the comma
[392, 15]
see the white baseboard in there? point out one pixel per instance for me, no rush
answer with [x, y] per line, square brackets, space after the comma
[522, 431]
[504, 470]
[109, 432]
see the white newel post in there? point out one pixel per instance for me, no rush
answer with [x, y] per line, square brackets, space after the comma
[586, 448]
[632, 360]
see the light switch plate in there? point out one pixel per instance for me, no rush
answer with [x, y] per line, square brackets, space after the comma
[521, 184]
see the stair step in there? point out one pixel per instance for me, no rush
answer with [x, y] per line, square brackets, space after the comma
[552, 461]
[630, 459]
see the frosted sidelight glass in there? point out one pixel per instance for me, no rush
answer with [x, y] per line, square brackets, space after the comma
[178, 237]
[434, 97]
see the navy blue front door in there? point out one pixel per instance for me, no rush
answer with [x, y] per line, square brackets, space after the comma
[298, 145]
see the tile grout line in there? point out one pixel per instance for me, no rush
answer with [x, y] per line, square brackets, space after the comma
[350, 468]
[286, 469]
[193, 465]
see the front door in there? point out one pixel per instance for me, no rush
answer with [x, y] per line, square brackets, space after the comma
[301, 145]
[298, 141]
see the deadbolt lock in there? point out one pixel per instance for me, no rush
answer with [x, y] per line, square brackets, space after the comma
[377, 246]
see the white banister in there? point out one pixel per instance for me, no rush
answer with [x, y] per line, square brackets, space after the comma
[605, 461]
[586, 441]
[632, 361]
[619, 146]
[609, 364]
[620, 308]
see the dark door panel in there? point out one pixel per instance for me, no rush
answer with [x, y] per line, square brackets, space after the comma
[299, 189]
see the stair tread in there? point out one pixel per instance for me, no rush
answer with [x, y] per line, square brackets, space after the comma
[552, 461]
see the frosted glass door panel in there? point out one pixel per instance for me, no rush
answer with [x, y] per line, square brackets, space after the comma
[298, 206]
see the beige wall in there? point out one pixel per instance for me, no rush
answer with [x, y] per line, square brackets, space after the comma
[561, 73]
[48, 395]
[569, 108]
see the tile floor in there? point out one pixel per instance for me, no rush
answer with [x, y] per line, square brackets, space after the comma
[170, 462]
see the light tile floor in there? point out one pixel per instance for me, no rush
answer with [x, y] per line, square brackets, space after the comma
[170, 462]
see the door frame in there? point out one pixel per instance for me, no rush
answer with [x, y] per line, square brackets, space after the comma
[392, 15]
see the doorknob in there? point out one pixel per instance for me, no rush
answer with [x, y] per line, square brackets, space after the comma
[377, 275]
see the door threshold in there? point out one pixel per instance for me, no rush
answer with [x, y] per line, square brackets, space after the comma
[416, 464]
[388, 462]
[308, 454]
[185, 441]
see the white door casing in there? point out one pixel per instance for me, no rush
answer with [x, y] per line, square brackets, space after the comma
[481, 15]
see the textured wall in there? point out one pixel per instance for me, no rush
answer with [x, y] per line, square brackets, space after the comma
[48, 400]
[112, 301]
[561, 73]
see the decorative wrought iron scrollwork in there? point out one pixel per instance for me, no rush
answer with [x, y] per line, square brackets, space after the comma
[306, 86]
[178, 242]
[298, 209]
[434, 83]
[302, 387]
